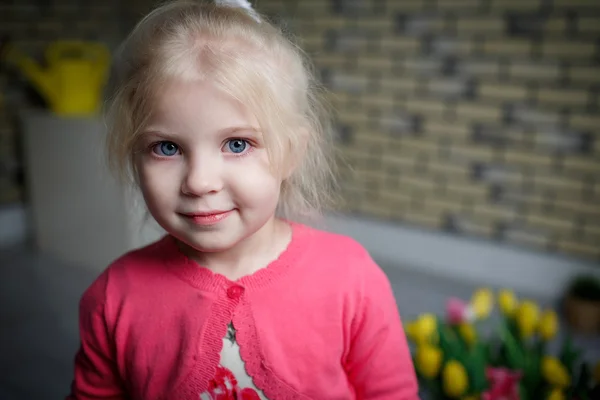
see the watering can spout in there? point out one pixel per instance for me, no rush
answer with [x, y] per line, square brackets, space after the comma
[40, 78]
[73, 80]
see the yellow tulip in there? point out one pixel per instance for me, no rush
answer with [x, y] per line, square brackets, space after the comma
[468, 333]
[422, 330]
[555, 373]
[454, 379]
[428, 360]
[548, 325]
[507, 302]
[556, 394]
[471, 397]
[482, 302]
[527, 316]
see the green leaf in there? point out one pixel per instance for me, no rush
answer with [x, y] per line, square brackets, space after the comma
[514, 353]
[449, 343]
[569, 354]
[583, 381]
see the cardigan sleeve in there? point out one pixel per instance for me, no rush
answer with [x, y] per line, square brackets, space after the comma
[379, 364]
[96, 373]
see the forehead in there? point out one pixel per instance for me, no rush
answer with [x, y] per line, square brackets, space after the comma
[198, 105]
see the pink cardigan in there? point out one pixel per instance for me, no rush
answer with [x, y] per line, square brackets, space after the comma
[320, 323]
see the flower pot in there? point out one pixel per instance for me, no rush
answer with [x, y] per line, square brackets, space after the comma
[582, 315]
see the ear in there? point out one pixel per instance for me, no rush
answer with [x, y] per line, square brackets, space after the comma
[297, 148]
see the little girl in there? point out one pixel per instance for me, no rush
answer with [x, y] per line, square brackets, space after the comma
[214, 116]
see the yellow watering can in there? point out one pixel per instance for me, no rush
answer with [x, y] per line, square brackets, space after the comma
[74, 77]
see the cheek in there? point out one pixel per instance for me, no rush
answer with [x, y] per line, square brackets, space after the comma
[157, 181]
[255, 183]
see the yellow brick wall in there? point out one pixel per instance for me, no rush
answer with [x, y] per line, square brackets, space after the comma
[476, 117]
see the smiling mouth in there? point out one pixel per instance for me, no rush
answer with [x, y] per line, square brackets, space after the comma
[209, 218]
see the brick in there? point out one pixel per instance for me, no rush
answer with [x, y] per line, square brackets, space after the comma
[418, 25]
[577, 4]
[428, 107]
[566, 97]
[555, 26]
[312, 7]
[358, 119]
[415, 145]
[398, 123]
[589, 25]
[330, 22]
[476, 192]
[380, 100]
[515, 5]
[478, 68]
[400, 85]
[478, 112]
[508, 47]
[579, 208]
[467, 151]
[458, 5]
[392, 158]
[378, 63]
[534, 71]
[534, 118]
[529, 237]
[330, 60]
[374, 210]
[480, 25]
[549, 221]
[527, 159]
[412, 183]
[542, 183]
[422, 66]
[349, 82]
[456, 130]
[585, 122]
[555, 140]
[447, 88]
[364, 176]
[582, 164]
[584, 75]
[406, 5]
[401, 44]
[502, 92]
[568, 49]
[579, 249]
[350, 40]
[423, 219]
[446, 46]
[376, 24]
[494, 211]
[312, 42]
[440, 206]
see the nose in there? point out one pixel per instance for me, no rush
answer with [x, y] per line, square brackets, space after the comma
[203, 176]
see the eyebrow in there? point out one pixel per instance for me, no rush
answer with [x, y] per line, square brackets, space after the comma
[222, 132]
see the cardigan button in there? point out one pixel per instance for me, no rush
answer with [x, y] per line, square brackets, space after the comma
[235, 292]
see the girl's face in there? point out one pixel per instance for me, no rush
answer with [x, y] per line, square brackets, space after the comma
[203, 169]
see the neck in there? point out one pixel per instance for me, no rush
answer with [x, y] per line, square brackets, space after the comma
[249, 255]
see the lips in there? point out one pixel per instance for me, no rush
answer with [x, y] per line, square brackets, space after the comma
[207, 217]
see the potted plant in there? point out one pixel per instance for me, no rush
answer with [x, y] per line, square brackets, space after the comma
[582, 304]
[454, 360]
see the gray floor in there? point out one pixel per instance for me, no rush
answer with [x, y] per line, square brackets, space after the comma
[38, 319]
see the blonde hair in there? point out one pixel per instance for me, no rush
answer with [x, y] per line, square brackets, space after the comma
[255, 63]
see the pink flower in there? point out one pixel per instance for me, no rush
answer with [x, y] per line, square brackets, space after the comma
[504, 384]
[457, 311]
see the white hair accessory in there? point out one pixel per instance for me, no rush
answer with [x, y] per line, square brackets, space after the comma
[244, 4]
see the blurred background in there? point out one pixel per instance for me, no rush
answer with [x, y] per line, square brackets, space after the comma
[469, 131]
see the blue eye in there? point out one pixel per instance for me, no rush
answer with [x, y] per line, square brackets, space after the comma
[166, 149]
[237, 145]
